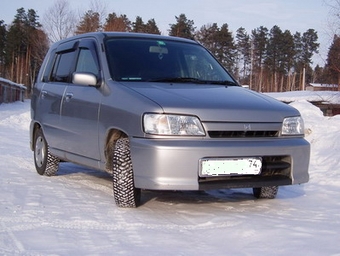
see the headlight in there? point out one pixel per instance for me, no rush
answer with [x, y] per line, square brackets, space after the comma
[161, 124]
[293, 126]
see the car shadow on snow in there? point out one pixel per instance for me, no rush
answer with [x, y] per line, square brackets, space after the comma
[66, 168]
[179, 197]
[197, 197]
[216, 196]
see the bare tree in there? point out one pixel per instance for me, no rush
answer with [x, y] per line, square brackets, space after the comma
[333, 17]
[333, 64]
[59, 21]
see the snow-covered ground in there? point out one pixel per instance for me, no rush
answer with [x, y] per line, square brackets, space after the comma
[74, 213]
[328, 97]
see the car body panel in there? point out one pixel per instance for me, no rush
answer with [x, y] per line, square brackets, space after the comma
[79, 121]
[229, 104]
[175, 163]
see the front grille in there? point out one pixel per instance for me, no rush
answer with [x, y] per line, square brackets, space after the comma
[242, 134]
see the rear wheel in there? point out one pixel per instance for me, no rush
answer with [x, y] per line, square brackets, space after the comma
[45, 163]
[266, 192]
[124, 191]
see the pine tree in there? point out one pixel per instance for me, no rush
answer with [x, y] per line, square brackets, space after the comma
[272, 61]
[90, 22]
[17, 40]
[226, 50]
[138, 26]
[26, 44]
[207, 36]
[259, 41]
[305, 47]
[333, 61]
[151, 27]
[182, 28]
[220, 42]
[243, 54]
[117, 23]
[3, 39]
[286, 60]
[309, 45]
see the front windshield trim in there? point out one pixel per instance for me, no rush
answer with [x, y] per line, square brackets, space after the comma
[151, 59]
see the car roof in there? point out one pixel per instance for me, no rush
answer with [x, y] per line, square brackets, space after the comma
[103, 35]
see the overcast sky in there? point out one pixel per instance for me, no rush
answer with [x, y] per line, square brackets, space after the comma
[293, 15]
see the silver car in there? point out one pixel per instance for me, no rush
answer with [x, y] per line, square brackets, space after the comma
[160, 113]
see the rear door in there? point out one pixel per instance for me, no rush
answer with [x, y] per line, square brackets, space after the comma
[55, 80]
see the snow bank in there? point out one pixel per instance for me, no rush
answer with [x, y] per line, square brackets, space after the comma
[74, 213]
[331, 97]
[324, 136]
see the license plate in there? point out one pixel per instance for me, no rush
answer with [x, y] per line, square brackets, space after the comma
[230, 166]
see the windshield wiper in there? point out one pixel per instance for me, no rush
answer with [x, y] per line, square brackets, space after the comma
[226, 82]
[193, 80]
[179, 80]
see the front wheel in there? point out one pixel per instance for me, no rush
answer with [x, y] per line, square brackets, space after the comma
[266, 192]
[45, 163]
[124, 191]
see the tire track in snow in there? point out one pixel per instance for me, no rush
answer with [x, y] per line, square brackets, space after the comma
[14, 241]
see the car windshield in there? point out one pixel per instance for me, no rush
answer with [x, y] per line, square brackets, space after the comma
[135, 59]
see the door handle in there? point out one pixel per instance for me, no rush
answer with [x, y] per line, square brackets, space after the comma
[43, 94]
[68, 96]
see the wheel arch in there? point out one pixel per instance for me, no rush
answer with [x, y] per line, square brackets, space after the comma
[34, 127]
[112, 136]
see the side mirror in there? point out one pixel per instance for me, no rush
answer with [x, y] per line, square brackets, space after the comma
[87, 79]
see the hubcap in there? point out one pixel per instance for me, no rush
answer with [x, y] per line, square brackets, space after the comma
[39, 151]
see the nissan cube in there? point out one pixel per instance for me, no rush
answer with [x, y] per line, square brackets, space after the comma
[160, 113]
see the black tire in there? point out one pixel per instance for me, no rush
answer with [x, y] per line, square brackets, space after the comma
[124, 191]
[45, 163]
[266, 192]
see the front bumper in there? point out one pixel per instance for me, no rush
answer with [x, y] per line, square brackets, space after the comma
[173, 164]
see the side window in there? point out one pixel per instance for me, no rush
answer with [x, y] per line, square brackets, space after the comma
[86, 62]
[62, 67]
[48, 68]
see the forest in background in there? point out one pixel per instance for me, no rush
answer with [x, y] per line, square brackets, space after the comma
[266, 59]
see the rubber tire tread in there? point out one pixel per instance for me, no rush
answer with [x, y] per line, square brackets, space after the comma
[266, 192]
[50, 163]
[124, 191]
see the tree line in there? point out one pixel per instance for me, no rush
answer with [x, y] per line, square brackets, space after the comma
[268, 60]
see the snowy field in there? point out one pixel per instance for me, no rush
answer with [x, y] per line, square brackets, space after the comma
[74, 213]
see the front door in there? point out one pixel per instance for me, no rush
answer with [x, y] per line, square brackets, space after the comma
[80, 107]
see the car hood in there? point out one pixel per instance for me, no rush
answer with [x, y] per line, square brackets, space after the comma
[214, 103]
